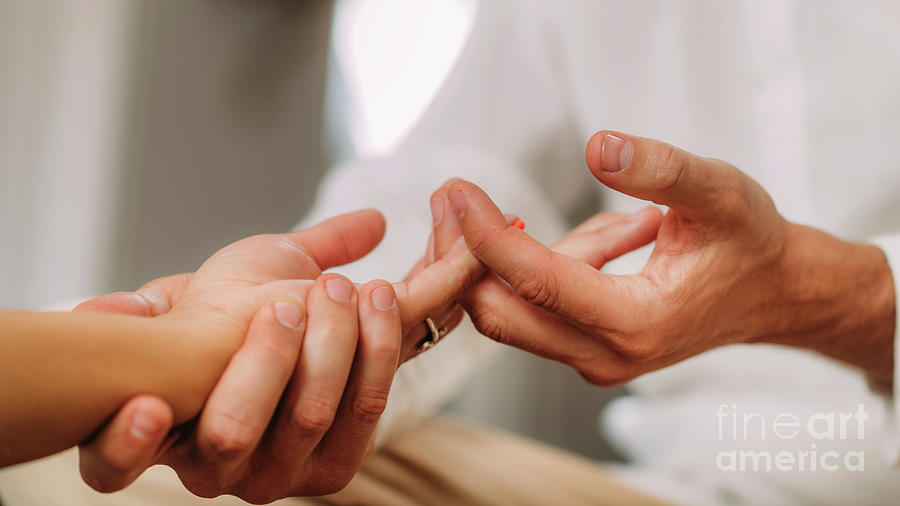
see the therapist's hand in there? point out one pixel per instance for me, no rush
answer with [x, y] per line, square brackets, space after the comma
[321, 429]
[726, 268]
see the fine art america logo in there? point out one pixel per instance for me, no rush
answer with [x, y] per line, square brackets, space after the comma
[737, 425]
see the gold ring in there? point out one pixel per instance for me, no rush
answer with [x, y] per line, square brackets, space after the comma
[434, 335]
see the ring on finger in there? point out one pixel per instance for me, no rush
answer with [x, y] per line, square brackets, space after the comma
[435, 334]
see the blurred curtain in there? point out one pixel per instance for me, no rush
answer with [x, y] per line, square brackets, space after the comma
[61, 80]
[136, 138]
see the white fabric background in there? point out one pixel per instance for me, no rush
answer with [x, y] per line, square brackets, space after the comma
[800, 95]
[61, 84]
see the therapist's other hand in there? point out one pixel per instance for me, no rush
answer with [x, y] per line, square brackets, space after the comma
[329, 393]
[726, 268]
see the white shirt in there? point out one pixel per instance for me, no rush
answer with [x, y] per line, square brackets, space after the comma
[802, 96]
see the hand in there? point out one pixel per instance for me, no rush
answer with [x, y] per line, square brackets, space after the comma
[598, 240]
[726, 268]
[321, 429]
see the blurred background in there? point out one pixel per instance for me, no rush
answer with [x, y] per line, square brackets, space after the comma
[136, 138]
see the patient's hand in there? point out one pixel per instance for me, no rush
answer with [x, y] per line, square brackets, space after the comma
[284, 419]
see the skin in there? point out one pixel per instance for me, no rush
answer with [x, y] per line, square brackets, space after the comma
[43, 364]
[246, 322]
[115, 457]
[726, 268]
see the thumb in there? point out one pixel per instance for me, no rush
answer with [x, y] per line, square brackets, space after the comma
[607, 236]
[556, 282]
[698, 188]
[341, 239]
[126, 446]
[153, 299]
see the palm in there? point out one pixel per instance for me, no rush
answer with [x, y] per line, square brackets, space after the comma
[239, 277]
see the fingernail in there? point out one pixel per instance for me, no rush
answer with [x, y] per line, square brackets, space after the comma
[615, 153]
[339, 290]
[519, 224]
[458, 200]
[383, 298]
[145, 426]
[289, 315]
[437, 210]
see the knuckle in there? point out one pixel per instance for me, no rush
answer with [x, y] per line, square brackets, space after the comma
[105, 484]
[381, 348]
[203, 490]
[641, 339]
[605, 372]
[114, 466]
[605, 377]
[385, 350]
[635, 347]
[369, 405]
[489, 324]
[301, 254]
[479, 243]
[539, 290]
[639, 350]
[734, 196]
[107, 469]
[669, 167]
[313, 416]
[200, 484]
[227, 437]
[221, 445]
[265, 484]
[259, 495]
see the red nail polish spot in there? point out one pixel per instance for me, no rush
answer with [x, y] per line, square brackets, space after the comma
[519, 224]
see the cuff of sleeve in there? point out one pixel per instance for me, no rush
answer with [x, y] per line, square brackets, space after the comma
[890, 245]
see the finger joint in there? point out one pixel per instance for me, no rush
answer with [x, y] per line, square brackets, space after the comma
[369, 405]
[313, 416]
[228, 436]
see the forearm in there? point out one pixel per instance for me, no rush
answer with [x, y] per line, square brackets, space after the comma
[841, 301]
[63, 374]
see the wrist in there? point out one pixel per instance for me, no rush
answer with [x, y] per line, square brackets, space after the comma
[838, 298]
[202, 342]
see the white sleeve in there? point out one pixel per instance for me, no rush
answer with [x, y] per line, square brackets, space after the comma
[890, 244]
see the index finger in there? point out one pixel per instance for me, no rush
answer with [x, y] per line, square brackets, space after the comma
[560, 284]
[438, 285]
[245, 397]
